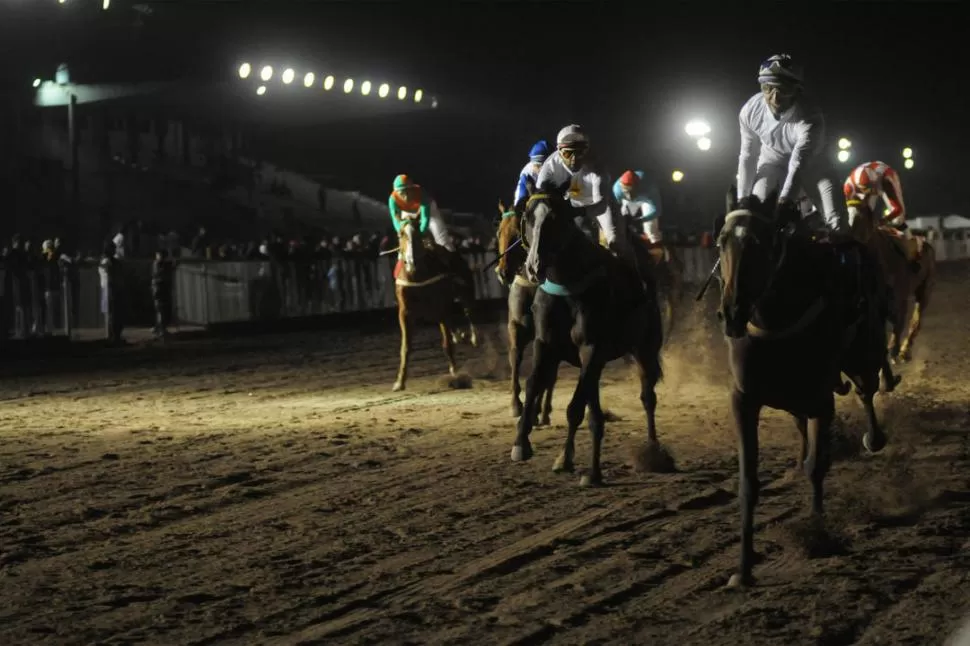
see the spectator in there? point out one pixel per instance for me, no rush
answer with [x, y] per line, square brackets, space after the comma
[163, 272]
[112, 293]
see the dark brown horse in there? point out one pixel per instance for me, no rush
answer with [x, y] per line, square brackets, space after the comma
[794, 316]
[591, 307]
[522, 293]
[425, 290]
[909, 268]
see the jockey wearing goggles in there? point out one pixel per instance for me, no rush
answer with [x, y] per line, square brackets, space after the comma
[571, 170]
[787, 131]
[527, 178]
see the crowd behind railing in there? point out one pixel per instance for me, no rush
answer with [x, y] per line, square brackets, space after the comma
[50, 291]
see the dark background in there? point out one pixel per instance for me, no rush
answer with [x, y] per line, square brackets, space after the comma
[887, 74]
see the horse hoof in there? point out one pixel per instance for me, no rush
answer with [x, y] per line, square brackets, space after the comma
[563, 466]
[521, 453]
[589, 480]
[740, 581]
[398, 386]
[545, 421]
[873, 443]
[889, 385]
[843, 388]
[517, 409]
[905, 356]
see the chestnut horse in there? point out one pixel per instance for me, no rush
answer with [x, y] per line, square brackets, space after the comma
[425, 290]
[911, 282]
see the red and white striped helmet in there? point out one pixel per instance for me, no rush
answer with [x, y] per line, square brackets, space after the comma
[865, 178]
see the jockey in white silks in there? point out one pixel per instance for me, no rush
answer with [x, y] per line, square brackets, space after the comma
[530, 172]
[789, 130]
[586, 187]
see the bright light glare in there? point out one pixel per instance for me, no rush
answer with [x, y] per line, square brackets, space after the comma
[844, 156]
[434, 102]
[61, 1]
[328, 82]
[844, 144]
[245, 70]
[418, 95]
[106, 4]
[697, 128]
[909, 163]
[266, 73]
[36, 82]
[383, 90]
[261, 90]
[365, 88]
[402, 93]
[907, 153]
[308, 79]
[704, 143]
[677, 176]
[348, 86]
[288, 75]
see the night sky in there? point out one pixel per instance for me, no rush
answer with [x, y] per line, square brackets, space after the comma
[887, 74]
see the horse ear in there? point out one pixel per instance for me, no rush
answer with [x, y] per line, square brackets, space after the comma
[731, 200]
[501, 207]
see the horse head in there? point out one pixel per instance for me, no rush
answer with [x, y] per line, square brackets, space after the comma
[411, 248]
[547, 229]
[750, 253]
[511, 258]
[862, 218]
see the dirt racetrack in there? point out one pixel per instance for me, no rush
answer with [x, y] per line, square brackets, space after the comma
[273, 490]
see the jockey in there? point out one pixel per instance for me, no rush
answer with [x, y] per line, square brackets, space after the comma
[787, 131]
[530, 171]
[874, 180]
[639, 203]
[409, 199]
[569, 169]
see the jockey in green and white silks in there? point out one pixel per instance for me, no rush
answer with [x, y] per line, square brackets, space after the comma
[640, 204]
[585, 186]
[410, 200]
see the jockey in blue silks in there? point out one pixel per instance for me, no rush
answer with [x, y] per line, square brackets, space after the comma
[530, 171]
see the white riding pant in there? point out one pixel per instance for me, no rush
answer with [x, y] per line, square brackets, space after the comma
[770, 175]
[436, 224]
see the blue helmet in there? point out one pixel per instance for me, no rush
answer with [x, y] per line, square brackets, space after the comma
[539, 151]
[780, 69]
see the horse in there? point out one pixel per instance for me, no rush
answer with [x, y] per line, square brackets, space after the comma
[794, 317]
[591, 307]
[522, 293]
[425, 290]
[911, 290]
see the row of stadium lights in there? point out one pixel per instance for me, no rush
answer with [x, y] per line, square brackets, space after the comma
[845, 153]
[105, 4]
[309, 80]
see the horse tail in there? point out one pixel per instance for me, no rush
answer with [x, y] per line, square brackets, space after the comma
[925, 288]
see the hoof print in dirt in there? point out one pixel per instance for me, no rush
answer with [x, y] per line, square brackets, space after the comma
[653, 457]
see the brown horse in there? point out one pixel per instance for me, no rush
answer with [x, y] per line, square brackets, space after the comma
[795, 312]
[425, 290]
[909, 272]
[522, 293]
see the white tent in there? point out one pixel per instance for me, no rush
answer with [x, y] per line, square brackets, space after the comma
[939, 222]
[956, 222]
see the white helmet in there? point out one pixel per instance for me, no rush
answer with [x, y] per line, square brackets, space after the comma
[571, 135]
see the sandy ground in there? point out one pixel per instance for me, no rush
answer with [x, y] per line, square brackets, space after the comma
[275, 491]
